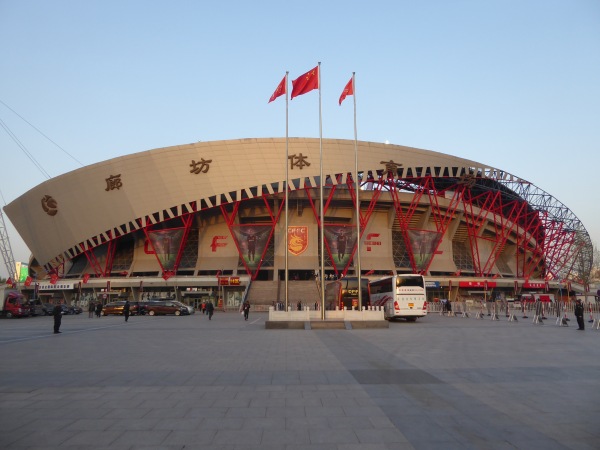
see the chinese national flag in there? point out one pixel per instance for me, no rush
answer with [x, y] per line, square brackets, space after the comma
[86, 277]
[28, 281]
[348, 90]
[279, 91]
[306, 83]
[53, 278]
[9, 282]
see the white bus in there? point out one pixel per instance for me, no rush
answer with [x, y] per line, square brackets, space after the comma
[402, 296]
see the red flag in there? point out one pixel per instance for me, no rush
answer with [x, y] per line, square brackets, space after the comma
[348, 90]
[306, 82]
[86, 277]
[279, 91]
[28, 281]
[53, 278]
[9, 282]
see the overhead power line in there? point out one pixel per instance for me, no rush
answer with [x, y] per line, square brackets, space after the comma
[29, 155]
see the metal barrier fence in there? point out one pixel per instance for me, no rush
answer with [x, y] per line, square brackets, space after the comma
[538, 311]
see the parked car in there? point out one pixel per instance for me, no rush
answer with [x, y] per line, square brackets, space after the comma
[36, 307]
[116, 308]
[165, 307]
[188, 308]
[74, 309]
[49, 309]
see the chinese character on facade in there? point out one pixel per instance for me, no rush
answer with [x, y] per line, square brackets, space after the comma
[113, 182]
[468, 180]
[201, 166]
[391, 166]
[298, 161]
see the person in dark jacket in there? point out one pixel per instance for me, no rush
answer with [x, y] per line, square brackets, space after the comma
[246, 309]
[91, 309]
[126, 310]
[98, 309]
[579, 314]
[57, 313]
[210, 308]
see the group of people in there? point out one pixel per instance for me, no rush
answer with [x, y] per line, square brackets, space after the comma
[208, 308]
[94, 308]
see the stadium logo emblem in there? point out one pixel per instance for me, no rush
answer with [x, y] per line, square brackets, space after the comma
[49, 205]
[297, 240]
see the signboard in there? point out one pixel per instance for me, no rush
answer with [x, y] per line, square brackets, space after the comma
[477, 284]
[529, 285]
[22, 271]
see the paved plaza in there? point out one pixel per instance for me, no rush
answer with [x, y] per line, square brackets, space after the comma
[187, 382]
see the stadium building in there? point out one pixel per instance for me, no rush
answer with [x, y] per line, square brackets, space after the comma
[207, 221]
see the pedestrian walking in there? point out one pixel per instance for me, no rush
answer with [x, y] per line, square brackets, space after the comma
[210, 308]
[91, 307]
[579, 314]
[98, 309]
[299, 305]
[246, 309]
[126, 310]
[57, 313]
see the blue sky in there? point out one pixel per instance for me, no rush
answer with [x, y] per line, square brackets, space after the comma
[512, 84]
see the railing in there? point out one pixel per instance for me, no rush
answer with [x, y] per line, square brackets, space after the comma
[307, 314]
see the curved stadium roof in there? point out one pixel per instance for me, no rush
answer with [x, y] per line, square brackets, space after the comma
[89, 206]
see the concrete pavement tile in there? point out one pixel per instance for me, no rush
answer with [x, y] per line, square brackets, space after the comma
[286, 411]
[246, 412]
[91, 424]
[222, 423]
[364, 446]
[166, 413]
[333, 436]
[206, 412]
[236, 402]
[292, 423]
[189, 437]
[268, 402]
[304, 401]
[264, 423]
[239, 437]
[135, 424]
[322, 411]
[348, 422]
[285, 437]
[145, 437]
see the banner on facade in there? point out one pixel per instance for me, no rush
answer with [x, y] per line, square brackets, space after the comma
[423, 244]
[166, 245]
[340, 240]
[252, 241]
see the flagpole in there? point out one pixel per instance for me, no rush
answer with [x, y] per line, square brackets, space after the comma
[357, 187]
[287, 190]
[321, 181]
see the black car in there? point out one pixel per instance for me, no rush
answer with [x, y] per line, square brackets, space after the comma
[49, 309]
[37, 307]
[74, 309]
